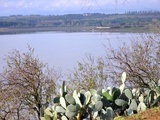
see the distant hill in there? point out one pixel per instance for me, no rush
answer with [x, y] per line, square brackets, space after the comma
[130, 21]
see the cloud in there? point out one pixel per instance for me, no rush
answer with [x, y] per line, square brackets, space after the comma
[55, 6]
[53, 3]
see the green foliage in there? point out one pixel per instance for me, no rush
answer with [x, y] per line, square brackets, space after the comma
[133, 105]
[70, 99]
[79, 105]
[82, 21]
[100, 105]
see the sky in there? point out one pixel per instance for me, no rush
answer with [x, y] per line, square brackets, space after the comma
[60, 7]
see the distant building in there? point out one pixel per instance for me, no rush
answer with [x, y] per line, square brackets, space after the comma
[87, 14]
[103, 28]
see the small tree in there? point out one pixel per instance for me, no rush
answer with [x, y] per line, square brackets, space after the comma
[33, 79]
[89, 74]
[140, 60]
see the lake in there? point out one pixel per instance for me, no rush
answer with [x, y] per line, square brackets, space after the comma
[59, 49]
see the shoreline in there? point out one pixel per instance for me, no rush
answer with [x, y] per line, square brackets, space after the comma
[5, 31]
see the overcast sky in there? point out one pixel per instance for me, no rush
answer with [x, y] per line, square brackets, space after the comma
[54, 7]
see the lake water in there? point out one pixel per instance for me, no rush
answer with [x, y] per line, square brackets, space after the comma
[59, 49]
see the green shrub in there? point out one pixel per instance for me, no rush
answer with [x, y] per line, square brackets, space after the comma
[100, 105]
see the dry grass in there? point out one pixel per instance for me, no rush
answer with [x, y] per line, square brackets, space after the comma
[150, 114]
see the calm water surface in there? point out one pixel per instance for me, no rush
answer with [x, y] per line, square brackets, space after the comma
[59, 49]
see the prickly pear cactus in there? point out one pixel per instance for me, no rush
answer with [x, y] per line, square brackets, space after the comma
[102, 104]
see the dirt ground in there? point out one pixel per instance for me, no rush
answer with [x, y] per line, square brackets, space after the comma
[150, 114]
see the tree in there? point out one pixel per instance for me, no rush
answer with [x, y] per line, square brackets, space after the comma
[10, 103]
[34, 81]
[140, 60]
[89, 74]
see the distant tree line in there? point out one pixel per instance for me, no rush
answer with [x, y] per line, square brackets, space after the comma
[143, 12]
[127, 20]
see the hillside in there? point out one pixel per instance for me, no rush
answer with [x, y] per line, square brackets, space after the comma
[128, 22]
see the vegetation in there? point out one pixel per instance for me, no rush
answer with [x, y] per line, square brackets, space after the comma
[103, 104]
[90, 74]
[149, 114]
[140, 59]
[27, 86]
[130, 21]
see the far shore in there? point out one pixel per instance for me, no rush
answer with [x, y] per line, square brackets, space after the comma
[70, 29]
